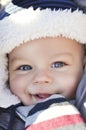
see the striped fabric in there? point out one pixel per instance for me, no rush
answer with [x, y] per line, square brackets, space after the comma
[58, 114]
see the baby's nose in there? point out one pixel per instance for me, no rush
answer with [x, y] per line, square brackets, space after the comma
[42, 77]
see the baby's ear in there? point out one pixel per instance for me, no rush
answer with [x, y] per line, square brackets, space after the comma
[84, 59]
[84, 62]
[84, 55]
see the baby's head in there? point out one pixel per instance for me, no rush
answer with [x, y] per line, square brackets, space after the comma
[46, 66]
[45, 48]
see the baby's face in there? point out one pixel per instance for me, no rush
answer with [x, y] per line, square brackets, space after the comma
[43, 67]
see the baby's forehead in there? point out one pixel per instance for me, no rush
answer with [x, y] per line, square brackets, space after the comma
[57, 46]
[49, 41]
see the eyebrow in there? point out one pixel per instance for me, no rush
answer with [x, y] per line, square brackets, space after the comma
[16, 59]
[64, 54]
[56, 54]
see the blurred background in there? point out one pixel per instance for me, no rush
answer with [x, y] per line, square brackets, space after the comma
[3, 3]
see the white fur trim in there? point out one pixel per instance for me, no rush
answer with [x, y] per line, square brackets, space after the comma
[6, 97]
[27, 25]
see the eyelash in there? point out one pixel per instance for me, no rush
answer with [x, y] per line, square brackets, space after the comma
[58, 64]
[24, 67]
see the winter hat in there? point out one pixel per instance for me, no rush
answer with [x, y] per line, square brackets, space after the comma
[25, 20]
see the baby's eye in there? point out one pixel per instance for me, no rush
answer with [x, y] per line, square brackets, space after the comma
[25, 67]
[57, 64]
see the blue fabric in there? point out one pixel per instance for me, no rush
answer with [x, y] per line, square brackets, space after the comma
[3, 14]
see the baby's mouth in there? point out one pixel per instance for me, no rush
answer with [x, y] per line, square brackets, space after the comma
[40, 97]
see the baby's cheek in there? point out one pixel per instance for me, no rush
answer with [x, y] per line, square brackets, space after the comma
[69, 86]
[15, 85]
[72, 87]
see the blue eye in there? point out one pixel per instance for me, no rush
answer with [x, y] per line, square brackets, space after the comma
[25, 67]
[57, 64]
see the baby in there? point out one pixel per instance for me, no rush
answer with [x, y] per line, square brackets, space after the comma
[44, 44]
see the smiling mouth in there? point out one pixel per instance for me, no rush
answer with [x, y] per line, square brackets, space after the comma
[41, 96]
